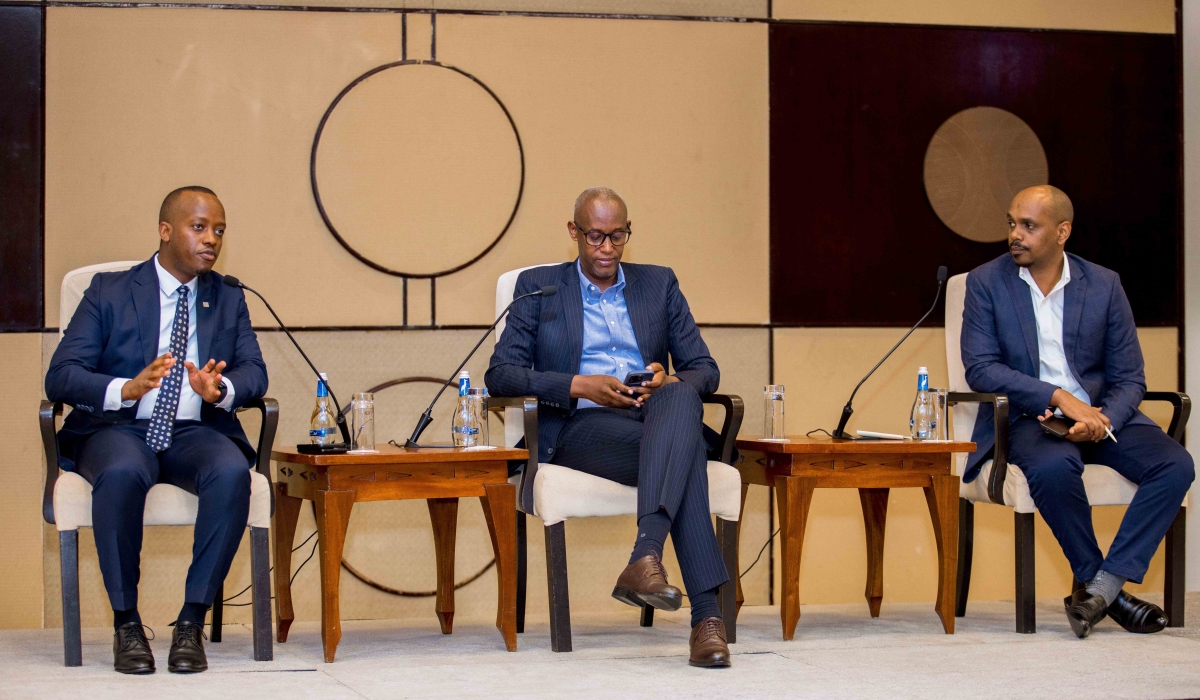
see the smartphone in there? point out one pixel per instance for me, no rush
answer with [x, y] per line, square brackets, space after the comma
[1057, 426]
[636, 377]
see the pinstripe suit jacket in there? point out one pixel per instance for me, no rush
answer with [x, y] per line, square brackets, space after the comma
[542, 345]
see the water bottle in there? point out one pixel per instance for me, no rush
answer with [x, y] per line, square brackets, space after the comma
[322, 429]
[921, 420]
[463, 428]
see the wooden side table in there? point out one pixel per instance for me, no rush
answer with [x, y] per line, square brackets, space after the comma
[801, 464]
[334, 483]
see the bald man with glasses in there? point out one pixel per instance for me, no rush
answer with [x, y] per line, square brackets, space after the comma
[574, 351]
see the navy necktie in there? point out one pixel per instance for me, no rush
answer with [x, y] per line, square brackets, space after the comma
[158, 437]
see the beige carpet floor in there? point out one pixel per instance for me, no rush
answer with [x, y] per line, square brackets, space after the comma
[839, 652]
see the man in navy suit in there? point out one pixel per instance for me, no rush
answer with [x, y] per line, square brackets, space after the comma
[146, 410]
[1056, 334]
[573, 352]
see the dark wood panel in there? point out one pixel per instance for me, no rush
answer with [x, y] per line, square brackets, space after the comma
[21, 148]
[854, 241]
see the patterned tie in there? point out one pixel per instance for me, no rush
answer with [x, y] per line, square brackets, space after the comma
[165, 408]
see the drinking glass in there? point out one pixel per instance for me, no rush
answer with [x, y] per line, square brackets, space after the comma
[362, 422]
[940, 430]
[477, 399]
[773, 412]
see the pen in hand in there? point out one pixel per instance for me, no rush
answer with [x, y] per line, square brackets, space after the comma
[1110, 433]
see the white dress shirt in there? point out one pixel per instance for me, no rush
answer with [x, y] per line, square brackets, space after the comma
[189, 400]
[1052, 357]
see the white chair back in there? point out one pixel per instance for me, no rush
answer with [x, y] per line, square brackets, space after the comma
[76, 282]
[506, 285]
[963, 415]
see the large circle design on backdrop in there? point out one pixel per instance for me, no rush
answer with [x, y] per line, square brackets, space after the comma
[421, 169]
[975, 163]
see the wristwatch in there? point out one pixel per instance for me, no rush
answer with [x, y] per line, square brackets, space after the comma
[222, 393]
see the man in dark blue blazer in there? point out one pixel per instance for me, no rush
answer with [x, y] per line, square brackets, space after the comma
[573, 351]
[1056, 334]
[147, 411]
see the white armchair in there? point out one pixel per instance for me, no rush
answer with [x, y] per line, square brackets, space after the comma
[67, 502]
[556, 494]
[1000, 481]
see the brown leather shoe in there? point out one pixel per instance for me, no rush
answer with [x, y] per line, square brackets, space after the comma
[644, 582]
[709, 649]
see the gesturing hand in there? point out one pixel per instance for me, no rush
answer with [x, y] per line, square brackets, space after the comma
[206, 381]
[661, 378]
[602, 389]
[1090, 422]
[149, 378]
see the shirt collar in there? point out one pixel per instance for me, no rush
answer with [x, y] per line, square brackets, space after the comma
[1063, 281]
[169, 284]
[591, 292]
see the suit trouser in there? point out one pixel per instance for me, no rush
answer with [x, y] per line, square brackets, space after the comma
[1161, 468]
[661, 449]
[121, 468]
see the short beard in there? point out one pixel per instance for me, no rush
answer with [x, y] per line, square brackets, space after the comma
[1019, 263]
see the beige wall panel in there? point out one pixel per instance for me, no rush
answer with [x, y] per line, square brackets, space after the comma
[668, 8]
[820, 367]
[1154, 16]
[672, 114]
[21, 472]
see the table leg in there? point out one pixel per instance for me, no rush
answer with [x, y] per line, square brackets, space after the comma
[942, 498]
[443, 512]
[874, 507]
[333, 518]
[794, 495]
[287, 513]
[741, 598]
[500, 510]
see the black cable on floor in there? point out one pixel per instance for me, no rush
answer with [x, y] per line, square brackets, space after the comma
[225, 601]
[760, 553]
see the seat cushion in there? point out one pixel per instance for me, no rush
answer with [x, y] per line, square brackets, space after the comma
[560, 493]
[1104, 486]
[165, 504]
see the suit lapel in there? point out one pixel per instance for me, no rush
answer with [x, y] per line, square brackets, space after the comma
[145, 302]
[634, 303]
[205, 308]
[1073, 295]
[1023, 302]
[572, 302]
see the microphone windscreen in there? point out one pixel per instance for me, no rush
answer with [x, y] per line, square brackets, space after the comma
[549, 291]
[231, 281]
[942, 274]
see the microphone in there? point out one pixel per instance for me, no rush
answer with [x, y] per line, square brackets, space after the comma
[427, 417]
[231, 281]
[847, 410]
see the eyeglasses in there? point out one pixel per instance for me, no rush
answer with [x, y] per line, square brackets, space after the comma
[596, 238]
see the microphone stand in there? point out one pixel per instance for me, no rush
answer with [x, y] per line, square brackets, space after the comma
[427, 417]
[848, 410]
[341, 418]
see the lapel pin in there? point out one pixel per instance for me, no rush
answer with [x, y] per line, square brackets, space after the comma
[205, 304]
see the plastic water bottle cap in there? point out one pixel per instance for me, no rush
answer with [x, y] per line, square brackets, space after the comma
[324, 376]
[464, 374]
[922, 370]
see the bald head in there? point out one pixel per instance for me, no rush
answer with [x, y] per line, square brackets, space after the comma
[171, 204]
[602, 197]
[1054, 203]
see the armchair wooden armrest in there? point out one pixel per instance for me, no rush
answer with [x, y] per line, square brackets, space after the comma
[1179, 418]
[47, 418]
[995, 487]
[734, 411]
[266, 438]
[528, 406]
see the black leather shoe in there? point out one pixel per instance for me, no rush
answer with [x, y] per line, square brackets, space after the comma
[131, 650]
[187, 649]
[1136, 615]
[1084, 611]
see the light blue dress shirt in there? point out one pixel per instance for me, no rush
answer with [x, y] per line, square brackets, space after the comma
[609, 346]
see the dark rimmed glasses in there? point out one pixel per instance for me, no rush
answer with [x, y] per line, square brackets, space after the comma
[595, 238]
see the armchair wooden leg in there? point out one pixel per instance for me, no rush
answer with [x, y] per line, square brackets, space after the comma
[741, 596]
[556, 580]
[727, 538]
[218, 615]
[647, 616]
[966, 548]
[522, 570]
[68, 544]
[260, 582]
[1026, 589]
[1176, 560]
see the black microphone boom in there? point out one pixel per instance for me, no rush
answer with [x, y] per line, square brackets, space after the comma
[848, 410]
[427, 417]
[230, 281]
